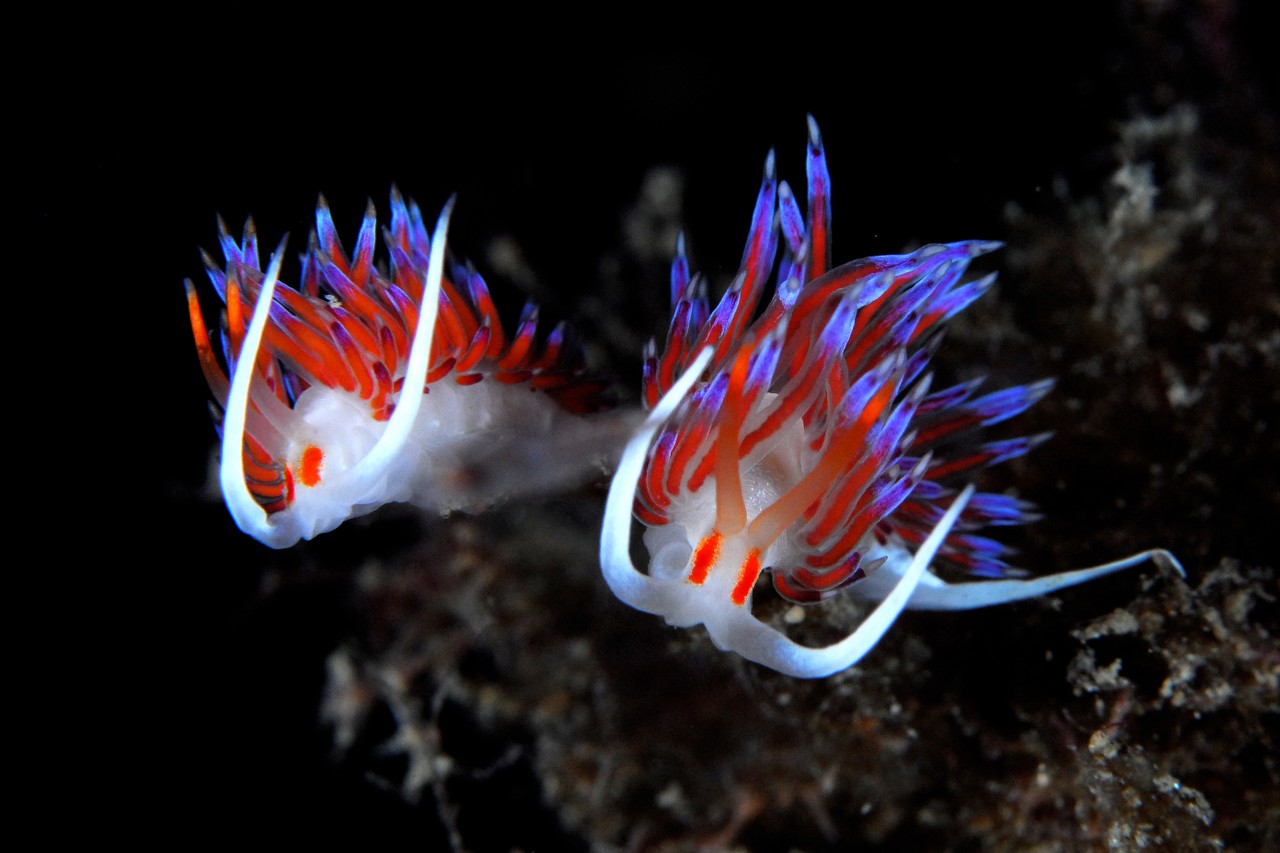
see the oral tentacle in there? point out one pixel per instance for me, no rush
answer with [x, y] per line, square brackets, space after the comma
[249, 516]
[624, 579]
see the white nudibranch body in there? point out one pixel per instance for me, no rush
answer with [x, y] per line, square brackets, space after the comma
[340, 400]
[804, 442]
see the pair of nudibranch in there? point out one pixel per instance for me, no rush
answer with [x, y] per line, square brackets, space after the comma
[802, 440]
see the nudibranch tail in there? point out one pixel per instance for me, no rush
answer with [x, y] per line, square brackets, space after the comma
[934, 593]
[372, 383]
[803, 440]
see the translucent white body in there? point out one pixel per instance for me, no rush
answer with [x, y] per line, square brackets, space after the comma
[454, 447]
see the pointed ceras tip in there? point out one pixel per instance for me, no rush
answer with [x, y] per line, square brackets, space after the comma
[982, 285]
[982, 247]
[1166, 561]
[277, 257]
[1036, 391]
[770, 168]
[1034, 441]
[815, 137]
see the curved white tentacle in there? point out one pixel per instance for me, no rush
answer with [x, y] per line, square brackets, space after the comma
[934, 593]
[248, 515]
[366, 474]
[627, 582]
[758, 642]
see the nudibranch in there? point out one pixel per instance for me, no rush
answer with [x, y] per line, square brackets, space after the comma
[804, 441]
[371, 383]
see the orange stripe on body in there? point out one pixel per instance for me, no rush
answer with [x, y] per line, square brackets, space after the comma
[704, 557]
[747, 576]
[312, 463]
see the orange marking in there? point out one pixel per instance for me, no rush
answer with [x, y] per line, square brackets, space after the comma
[705, 556]
[747, 576]
[312, 462]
